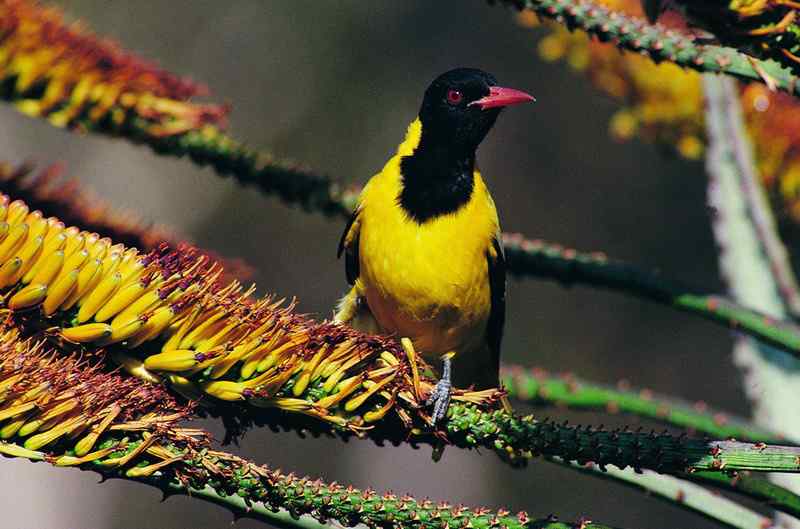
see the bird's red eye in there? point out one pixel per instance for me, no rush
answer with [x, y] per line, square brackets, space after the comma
[454, 97]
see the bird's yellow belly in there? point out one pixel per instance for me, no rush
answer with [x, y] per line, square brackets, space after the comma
[427, 286]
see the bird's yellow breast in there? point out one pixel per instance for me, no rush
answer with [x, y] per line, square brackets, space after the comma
[427, 281]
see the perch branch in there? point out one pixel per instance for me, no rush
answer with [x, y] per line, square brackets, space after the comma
[71, 412]
[165, 317]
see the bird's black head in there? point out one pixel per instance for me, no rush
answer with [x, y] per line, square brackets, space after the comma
[460, 107]
[458, 110]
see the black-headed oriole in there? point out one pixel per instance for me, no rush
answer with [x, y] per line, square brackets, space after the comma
[422, 249]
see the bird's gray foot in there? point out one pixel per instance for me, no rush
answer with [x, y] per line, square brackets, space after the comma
[440, 396]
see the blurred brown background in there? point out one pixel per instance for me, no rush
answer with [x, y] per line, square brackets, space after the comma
[334, 84]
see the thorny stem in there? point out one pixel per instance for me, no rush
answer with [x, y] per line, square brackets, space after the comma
[285, 500]
[759, 210]
[510, 436]
[681, 493]
[540, 388]
[551, 261]
[769, 493]
[636, 35]
[770, 374]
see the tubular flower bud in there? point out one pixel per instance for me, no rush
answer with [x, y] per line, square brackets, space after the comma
[52, 405]
[167, 312]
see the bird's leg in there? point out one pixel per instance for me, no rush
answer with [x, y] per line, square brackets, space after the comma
[440, 396]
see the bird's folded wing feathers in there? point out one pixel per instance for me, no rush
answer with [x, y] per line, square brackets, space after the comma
[496, 259]
[348, 245]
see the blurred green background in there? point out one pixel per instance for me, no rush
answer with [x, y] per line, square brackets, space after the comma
[334, 84]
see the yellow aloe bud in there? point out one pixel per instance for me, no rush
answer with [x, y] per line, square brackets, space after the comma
[16, 237]
[358, 400]
[45, 438]
[13, 411]
[86, 278]
[54, 228]
[4, 229]
[139, 306]
[159, 321]
[72, 461]
[9, 270]
[47, 269]
[119, 301]
[97, 297]
[234, 356]
[13, 450]
[174, 361]
[8, 382]
[85, 445]
[48, 249]
[124, 331]
[291, 404]
[100, 249]
[202, 329]
[135, 367]
[149, 470]
[90, 241]
[10, 430]
[56, 241]
[38, 225]
[380, 413]
[3, 212]
[17, 211]
[89, 332]
[182, 328]
[110, 264]
[74, 243]
[28, 297]
[225, 389]
[131, 270]
[72, 262]
[59, 292]
[29, 253]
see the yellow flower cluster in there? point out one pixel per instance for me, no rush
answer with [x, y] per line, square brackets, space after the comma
[49, 69]
[165, 317]
[664, 103]
[83, 415]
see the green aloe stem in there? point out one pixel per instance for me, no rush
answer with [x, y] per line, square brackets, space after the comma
[777, 497]
[661, 44]
[681, 493]
[516, 438]
[551, 261]
[292, 502]
[537, 387]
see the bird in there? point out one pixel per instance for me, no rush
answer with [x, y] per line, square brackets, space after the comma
[423, 251]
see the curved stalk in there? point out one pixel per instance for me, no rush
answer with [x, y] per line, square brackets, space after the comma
[539, 388]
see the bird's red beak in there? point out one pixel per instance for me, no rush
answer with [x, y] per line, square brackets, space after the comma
[502, 97]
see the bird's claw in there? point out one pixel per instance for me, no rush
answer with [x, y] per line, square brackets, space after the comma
[440, 396]
[440, 400]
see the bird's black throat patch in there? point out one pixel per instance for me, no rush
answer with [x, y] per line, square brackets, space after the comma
[435, 182]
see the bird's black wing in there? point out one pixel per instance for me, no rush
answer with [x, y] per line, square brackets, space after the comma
[497, 285]
[348, 245]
